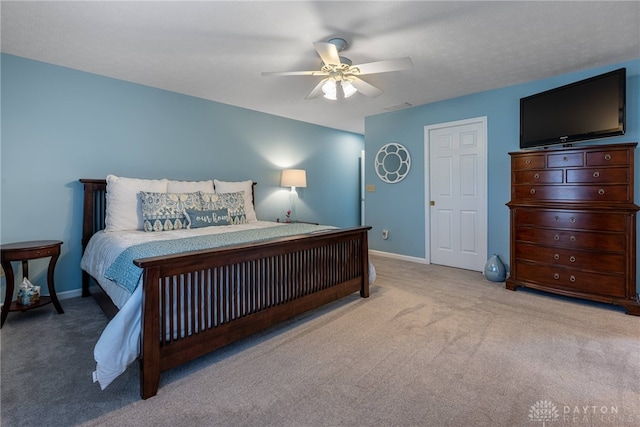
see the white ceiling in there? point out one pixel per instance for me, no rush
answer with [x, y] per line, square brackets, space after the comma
[217, 50]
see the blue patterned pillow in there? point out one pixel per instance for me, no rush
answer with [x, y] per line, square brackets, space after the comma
[165, 211]
[233, 202]
[205, 218]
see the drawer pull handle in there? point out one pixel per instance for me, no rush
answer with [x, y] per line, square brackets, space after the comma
[565, 159]
[572, 259]
[572, 238]
[533, 191]
[556, 256]
[536, 176]
[596, 174]
[556, 276]
[556, 237]
[528, 161]
[601, 191]
[607, 156]
[572, 219]
[572, 278]
[557, 218]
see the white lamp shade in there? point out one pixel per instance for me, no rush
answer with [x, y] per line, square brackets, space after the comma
[330, 90]
[294, 178]
[349, 89]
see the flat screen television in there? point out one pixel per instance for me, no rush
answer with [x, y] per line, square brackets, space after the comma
[588, 109]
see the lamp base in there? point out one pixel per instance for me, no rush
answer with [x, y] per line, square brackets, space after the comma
[293, 195]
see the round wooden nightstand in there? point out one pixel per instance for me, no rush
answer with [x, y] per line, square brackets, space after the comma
[23, 252]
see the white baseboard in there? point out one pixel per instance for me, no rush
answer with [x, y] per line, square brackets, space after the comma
[69, 294]
[399, 257]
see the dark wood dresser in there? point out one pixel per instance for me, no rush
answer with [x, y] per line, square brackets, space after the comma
[573, 223]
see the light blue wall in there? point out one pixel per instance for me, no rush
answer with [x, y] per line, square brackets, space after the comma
[59, 125]
[400, 207]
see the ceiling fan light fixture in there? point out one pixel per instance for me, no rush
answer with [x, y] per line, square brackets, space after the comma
[348, 88]
[330, 90]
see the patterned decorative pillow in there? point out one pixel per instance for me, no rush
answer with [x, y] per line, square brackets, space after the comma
[236, 186]
[165, 211]
[205, 218]
[233, 202]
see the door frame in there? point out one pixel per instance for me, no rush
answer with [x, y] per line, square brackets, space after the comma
[427, 177]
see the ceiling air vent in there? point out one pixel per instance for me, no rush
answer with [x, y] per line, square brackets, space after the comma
[397, 106]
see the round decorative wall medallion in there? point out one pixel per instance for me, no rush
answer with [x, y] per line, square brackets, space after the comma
[392, 163]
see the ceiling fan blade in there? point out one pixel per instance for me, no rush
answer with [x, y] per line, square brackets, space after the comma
[295, 73]
[364, 87]
[328, 52]
[382, 66]
[317, 91]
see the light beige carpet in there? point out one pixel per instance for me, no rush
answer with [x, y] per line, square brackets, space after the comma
[432, 346]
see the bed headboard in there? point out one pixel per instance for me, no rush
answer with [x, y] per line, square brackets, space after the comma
[95, 207]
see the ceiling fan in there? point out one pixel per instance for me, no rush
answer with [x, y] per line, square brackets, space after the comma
[341, 77]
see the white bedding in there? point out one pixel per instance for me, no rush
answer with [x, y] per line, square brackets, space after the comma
[119, 344]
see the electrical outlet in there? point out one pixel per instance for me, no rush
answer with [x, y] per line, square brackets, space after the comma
[385, 234]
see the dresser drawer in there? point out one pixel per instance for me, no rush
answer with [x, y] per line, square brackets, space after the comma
[563, 160]
[608, 157]
[571, 219]
[529, 161]
[538, 177]
[611, 285]
[599, 175]
[588, 240]
[572, 193]
[583, 260]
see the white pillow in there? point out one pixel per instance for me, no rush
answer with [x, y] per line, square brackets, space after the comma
[124, 207]
[235, 186]
[190, 186]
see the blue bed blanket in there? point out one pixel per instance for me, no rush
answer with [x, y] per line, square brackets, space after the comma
[127, 275]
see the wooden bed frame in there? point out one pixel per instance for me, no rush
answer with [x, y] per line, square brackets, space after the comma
[194, 303]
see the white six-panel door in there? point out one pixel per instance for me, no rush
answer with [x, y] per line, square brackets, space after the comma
[456, 186]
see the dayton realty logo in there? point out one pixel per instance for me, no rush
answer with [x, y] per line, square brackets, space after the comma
[544, 411]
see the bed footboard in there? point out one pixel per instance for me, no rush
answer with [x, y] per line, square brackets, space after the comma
[194, 303]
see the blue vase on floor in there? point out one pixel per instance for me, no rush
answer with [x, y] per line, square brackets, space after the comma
[495, 270]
